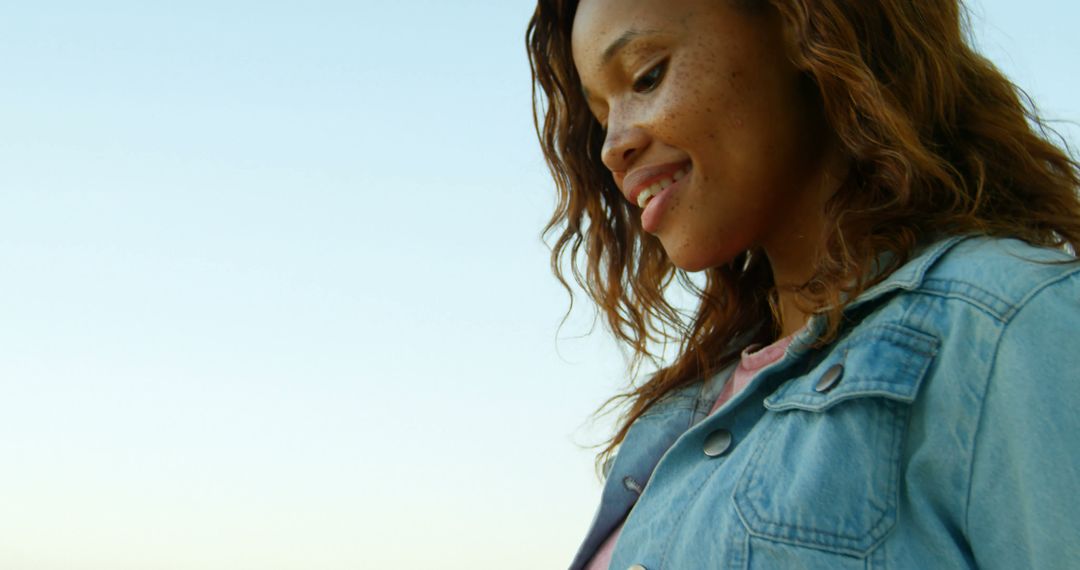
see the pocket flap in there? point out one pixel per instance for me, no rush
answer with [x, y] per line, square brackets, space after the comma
[887, 361]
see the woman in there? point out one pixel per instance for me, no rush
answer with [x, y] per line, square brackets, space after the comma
[872, 202]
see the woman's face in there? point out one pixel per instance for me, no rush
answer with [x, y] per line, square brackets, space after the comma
[705, 113]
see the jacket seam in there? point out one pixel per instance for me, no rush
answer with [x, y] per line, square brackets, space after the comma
[686, 509]
[755, 478]
[668, 410]
[1039, 288]
[975, 436]
[977, 303]
[1001, 316]
[920, 265]
[979, 423]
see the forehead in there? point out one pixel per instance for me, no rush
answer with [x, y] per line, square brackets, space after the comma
[599, 24]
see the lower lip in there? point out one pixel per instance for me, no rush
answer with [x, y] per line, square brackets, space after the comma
[656, 208]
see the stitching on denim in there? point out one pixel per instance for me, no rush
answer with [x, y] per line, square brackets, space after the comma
[806, 403]
[717, 463]
[970, 292]
[982, 307]
[742, 550]
[904, 279]
[1011, 307]
[632, 485]
[666, 411]
[776, 528]
[978, 428]
[1042, 286]
[813, 402]
[910, 341]
[680, 399]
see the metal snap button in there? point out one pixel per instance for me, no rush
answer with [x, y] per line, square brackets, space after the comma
[830, 379]
[717, 443]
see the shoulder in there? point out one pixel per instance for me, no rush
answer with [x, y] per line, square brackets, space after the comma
[998, 307]
[1002, 315]
[979, 316]
[1002, 276]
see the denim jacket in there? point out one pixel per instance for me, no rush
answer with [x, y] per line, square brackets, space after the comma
[940, 430]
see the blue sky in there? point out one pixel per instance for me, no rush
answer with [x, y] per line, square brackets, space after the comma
[273, 293]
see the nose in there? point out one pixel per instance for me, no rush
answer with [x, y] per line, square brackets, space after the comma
[622, 146]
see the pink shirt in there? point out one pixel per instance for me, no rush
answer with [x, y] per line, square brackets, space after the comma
[751, 361]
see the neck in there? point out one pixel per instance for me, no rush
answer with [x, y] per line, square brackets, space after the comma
[795, 246]
[790, 272]
[792, 316]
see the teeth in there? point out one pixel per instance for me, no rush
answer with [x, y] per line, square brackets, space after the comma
[648, 193]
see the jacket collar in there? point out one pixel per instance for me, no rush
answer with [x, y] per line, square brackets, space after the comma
[910, 275]
[907, 277]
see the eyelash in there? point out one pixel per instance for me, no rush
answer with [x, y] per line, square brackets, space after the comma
[651, 78]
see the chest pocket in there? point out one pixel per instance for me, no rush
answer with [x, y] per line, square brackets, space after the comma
[826, 472]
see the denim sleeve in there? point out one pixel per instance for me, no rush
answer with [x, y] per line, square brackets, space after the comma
[1024, 498]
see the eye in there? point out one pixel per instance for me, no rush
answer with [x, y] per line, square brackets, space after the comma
[648, 81]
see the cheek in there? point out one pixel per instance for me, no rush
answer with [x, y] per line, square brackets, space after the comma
[704, 102]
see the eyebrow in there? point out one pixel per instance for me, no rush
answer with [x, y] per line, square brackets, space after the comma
[621, 42]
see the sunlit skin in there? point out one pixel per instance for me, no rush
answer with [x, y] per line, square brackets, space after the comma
[709, 84]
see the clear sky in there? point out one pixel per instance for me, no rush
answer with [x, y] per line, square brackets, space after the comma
[272, 293]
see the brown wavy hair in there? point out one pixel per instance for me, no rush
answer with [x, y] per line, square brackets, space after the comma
[940, 143]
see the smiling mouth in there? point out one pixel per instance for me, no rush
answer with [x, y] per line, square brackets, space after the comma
[659, 186]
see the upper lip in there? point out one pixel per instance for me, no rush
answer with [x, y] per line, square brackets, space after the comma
[638, 179]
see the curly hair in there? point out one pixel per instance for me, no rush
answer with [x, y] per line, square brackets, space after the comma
[940, 142]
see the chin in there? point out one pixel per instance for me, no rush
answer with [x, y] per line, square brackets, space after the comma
[690, 267]
[692, 263]
[699, 259]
